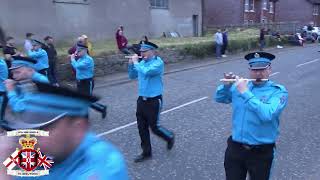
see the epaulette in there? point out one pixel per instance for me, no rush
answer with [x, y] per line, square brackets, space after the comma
[281, 87]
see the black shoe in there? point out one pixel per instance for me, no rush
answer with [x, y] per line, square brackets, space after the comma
[142, 157]
[104, 112]
[170, 143]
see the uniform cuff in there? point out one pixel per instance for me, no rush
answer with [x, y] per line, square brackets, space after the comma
[11, 94]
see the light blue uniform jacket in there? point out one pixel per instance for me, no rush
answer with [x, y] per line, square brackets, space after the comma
[256, 113]
[92, 159]
[41, 57]
[149, 74]
[84, 67]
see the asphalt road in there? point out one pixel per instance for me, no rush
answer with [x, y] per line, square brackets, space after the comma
[202, 125]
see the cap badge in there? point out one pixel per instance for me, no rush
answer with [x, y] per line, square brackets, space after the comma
[256, 55]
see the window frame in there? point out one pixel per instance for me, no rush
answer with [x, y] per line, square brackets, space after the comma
[264, 4]
[246, 5]
[315, 11]
[271, 7]
[83, 2]
[249, 6]
[159, 4]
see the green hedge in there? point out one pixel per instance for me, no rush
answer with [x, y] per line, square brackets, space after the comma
[203, 49]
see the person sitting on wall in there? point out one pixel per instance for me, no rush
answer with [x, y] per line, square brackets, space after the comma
[122, 41]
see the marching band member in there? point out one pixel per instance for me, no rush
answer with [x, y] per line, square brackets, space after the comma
[41, 56]
[257, 106]
[3, 76]
[22, 70]
[149, 73]
[84, 67]
[76, 152]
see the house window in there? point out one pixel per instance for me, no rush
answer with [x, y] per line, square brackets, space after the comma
[264, 5]
[246, 22]
[246, 5]
[159, 4]
[315, 10]
[85, 2]
[249, 5]
[251, 22]
[271, 7]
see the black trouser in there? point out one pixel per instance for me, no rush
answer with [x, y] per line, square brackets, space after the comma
[3, 104]
[224, 48]
[44, 72]
[148, 111]
[85, 86]
[241, 159]
[52, 72]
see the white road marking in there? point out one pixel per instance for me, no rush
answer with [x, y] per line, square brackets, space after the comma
[163, 112]
[309, 62]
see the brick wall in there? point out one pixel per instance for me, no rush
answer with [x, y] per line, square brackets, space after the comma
[296, 10]
[217, 12]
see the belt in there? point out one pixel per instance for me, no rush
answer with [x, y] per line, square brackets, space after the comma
[251, 147]
[150, 98]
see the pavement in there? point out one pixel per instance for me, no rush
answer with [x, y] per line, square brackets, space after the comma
[202, 125]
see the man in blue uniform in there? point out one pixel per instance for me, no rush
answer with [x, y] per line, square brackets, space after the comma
[3, 77]
[76, 152]
[149, 73]
[23, 73]
[257, 106]
[84, 67]
[40, 56]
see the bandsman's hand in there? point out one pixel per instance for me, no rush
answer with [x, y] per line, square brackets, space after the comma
[135, 58]
[10, 84]
[72, 56]
[241, 84]
[229, 75]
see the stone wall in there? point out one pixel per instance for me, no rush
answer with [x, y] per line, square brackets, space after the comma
[110, 64]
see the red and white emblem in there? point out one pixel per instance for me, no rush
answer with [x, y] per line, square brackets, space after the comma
[28, 159]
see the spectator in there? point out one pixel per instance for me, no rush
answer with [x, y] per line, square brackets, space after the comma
[52, 56]
[164, 35]
[73, 49]
[225, 42]
[88, 44]
[9, 50]
[262, 41]
[219, 43]
[122, 41]
[27, 42]
[299, 39]
[278, 37]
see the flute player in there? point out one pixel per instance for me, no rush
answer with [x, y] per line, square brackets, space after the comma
[257, 106]
[149, 73]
